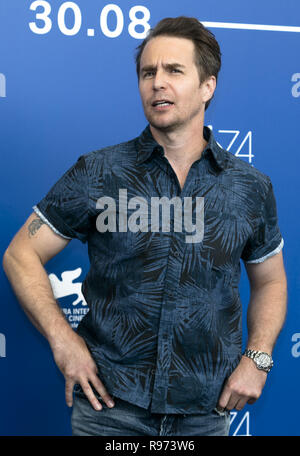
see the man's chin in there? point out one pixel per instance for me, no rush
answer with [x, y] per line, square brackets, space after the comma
[163, 126]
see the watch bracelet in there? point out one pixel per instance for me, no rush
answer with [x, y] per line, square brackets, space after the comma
[252, 353]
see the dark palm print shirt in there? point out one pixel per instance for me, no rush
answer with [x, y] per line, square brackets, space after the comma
[164, 322]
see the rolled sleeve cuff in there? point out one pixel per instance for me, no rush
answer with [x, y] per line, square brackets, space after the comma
[41, 215]
[268, 255]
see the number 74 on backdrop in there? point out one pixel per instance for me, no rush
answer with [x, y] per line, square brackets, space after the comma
[238, 141]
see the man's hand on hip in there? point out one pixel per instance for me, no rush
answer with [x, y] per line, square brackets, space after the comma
[74, 360]
[245, 385]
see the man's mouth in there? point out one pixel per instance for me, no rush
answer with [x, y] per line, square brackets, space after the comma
[162, 103]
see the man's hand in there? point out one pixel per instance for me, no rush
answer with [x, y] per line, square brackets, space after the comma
[245, 385]
[74, 360]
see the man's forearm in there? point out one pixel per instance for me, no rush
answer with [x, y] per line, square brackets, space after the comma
[266, 315]
[32, 287]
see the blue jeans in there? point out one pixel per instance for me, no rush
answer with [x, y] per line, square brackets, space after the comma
[126, 419]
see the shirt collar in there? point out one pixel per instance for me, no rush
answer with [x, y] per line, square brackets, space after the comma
[146, 145]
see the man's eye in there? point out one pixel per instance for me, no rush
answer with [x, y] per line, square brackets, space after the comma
[148, 74]
[175, 70]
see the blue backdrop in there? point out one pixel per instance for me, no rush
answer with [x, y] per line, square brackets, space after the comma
[68, 86]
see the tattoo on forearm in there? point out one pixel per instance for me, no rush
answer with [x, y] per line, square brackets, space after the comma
[34, 226]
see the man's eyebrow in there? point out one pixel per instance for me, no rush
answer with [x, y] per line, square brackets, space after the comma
[168, 66]
[148, 68]
[174, 65]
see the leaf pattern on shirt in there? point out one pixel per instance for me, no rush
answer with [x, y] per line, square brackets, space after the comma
[164, 325]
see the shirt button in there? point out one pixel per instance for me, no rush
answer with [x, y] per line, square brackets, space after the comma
[176, 253]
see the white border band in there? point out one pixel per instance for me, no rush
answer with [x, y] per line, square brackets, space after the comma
[268, 28]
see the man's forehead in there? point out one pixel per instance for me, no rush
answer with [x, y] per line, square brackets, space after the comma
[168, 50]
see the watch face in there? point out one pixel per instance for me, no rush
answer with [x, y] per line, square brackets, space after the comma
[263, 360]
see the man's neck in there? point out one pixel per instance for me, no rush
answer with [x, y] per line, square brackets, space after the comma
[182, 146]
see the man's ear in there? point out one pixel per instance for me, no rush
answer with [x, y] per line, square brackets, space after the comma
[208, 88]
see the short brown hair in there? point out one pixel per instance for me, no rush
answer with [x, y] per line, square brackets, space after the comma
[207, 49]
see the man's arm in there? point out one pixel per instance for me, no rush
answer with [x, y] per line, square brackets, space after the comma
[33, 245]
[265, 318]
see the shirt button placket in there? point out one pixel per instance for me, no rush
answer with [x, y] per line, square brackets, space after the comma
[164, 343]
[164, 349]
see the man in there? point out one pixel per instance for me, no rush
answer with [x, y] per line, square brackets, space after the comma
[162, 339]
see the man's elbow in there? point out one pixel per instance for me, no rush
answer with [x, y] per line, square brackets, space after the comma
[17, 255]
[8, 258]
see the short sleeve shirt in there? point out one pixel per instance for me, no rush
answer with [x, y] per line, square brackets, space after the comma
[164, 323]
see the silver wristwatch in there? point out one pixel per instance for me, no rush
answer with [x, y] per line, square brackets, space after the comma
[262, 360]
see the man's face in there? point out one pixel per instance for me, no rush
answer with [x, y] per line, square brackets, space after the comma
[169, 83]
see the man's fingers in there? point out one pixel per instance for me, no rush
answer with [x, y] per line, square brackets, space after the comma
[230, 400]
[90, 395]
[224, 398]
[69, 393]
[241, 404]
[99, 387]
[233, 401]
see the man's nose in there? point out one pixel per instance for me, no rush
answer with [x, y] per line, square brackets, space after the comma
[159, 80]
